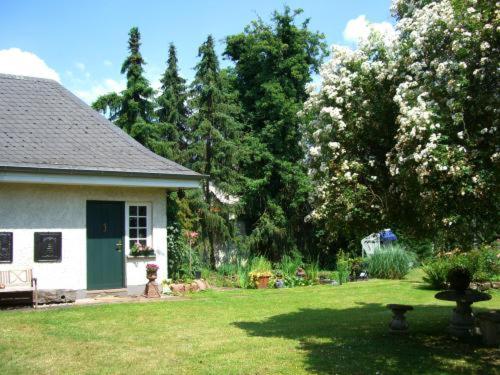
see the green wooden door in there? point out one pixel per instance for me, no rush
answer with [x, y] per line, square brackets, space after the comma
[105, 231]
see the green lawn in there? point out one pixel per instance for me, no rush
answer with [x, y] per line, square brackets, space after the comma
[320, 329]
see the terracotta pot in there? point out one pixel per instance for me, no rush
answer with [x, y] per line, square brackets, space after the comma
[263, 282]
[151, 276]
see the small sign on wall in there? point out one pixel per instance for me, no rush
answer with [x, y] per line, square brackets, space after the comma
[48, 246]
[5, 247]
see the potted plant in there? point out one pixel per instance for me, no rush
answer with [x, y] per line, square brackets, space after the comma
[260, 272]
[151, 271]
[260, 279]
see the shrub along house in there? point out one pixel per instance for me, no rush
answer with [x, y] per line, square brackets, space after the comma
[76, 192]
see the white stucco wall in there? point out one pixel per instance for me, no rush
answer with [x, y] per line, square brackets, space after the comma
[29, 208]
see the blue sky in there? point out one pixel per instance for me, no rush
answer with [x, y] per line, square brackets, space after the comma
[84, 43]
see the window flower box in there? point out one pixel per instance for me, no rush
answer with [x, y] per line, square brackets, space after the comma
[141, 251]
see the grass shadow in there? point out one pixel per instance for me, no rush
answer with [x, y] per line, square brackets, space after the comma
[356, 341]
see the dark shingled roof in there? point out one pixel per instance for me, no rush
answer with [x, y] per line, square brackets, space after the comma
[45, 128]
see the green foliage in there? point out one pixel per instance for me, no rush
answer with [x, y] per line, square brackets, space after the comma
[289, 263]
[483, 263]
[212, 148]
[260, 264]
[486, 263]
[357, 265]
[294, 281]
[312, 271]
[179, 255]
[242, 271]
[136, 111]
[436, 271]
[343, 268]
[109, 105]
[227, 269]
[335, 275]
[133, 108]
[172, 112]
[392, 262]
[324, 274]
[273, 63]
[179, 252]
[422, 247]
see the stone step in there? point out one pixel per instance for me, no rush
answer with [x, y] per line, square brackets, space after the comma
[122, 292]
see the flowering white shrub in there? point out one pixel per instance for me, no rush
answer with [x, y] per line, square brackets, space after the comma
[350, 127]
[407, 134]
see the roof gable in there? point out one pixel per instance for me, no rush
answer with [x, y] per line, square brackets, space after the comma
[43, 126]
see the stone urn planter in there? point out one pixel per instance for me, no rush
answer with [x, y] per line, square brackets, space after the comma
[152, 276]
[300, 273]
[152, 290]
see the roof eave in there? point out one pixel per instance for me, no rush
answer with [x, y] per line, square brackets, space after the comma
[98, 172]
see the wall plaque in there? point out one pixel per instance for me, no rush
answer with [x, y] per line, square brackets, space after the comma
[5, 247]
[47, 246]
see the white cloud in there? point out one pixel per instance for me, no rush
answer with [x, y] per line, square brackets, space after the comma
[107, 86]
[24, 63]
[107, 63]
[359, 29]
[80, 66]
[156, 84]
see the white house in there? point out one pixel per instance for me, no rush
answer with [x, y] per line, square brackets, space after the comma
[76, 192]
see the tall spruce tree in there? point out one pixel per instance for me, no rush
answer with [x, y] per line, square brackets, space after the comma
[133, 108]
[273, 64]
[213, 144]
[137, 110]
[172, 112]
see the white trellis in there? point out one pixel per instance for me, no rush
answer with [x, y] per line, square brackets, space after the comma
[370, 244]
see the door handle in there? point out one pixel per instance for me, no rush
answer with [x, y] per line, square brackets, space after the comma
[119, 246]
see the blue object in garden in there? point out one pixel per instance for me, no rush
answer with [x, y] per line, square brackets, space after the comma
[387, 236]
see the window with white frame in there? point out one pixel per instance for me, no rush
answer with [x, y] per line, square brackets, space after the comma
[139, 224]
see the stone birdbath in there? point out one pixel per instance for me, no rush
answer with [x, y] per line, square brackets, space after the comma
[462, 320]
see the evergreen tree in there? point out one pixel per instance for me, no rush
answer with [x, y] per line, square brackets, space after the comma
[137, 105]
[172, 112]
[133, 108]
[109, 105]
[213, 144]
[273, 65]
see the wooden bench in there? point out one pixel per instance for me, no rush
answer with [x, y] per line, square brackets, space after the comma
[19, 287]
